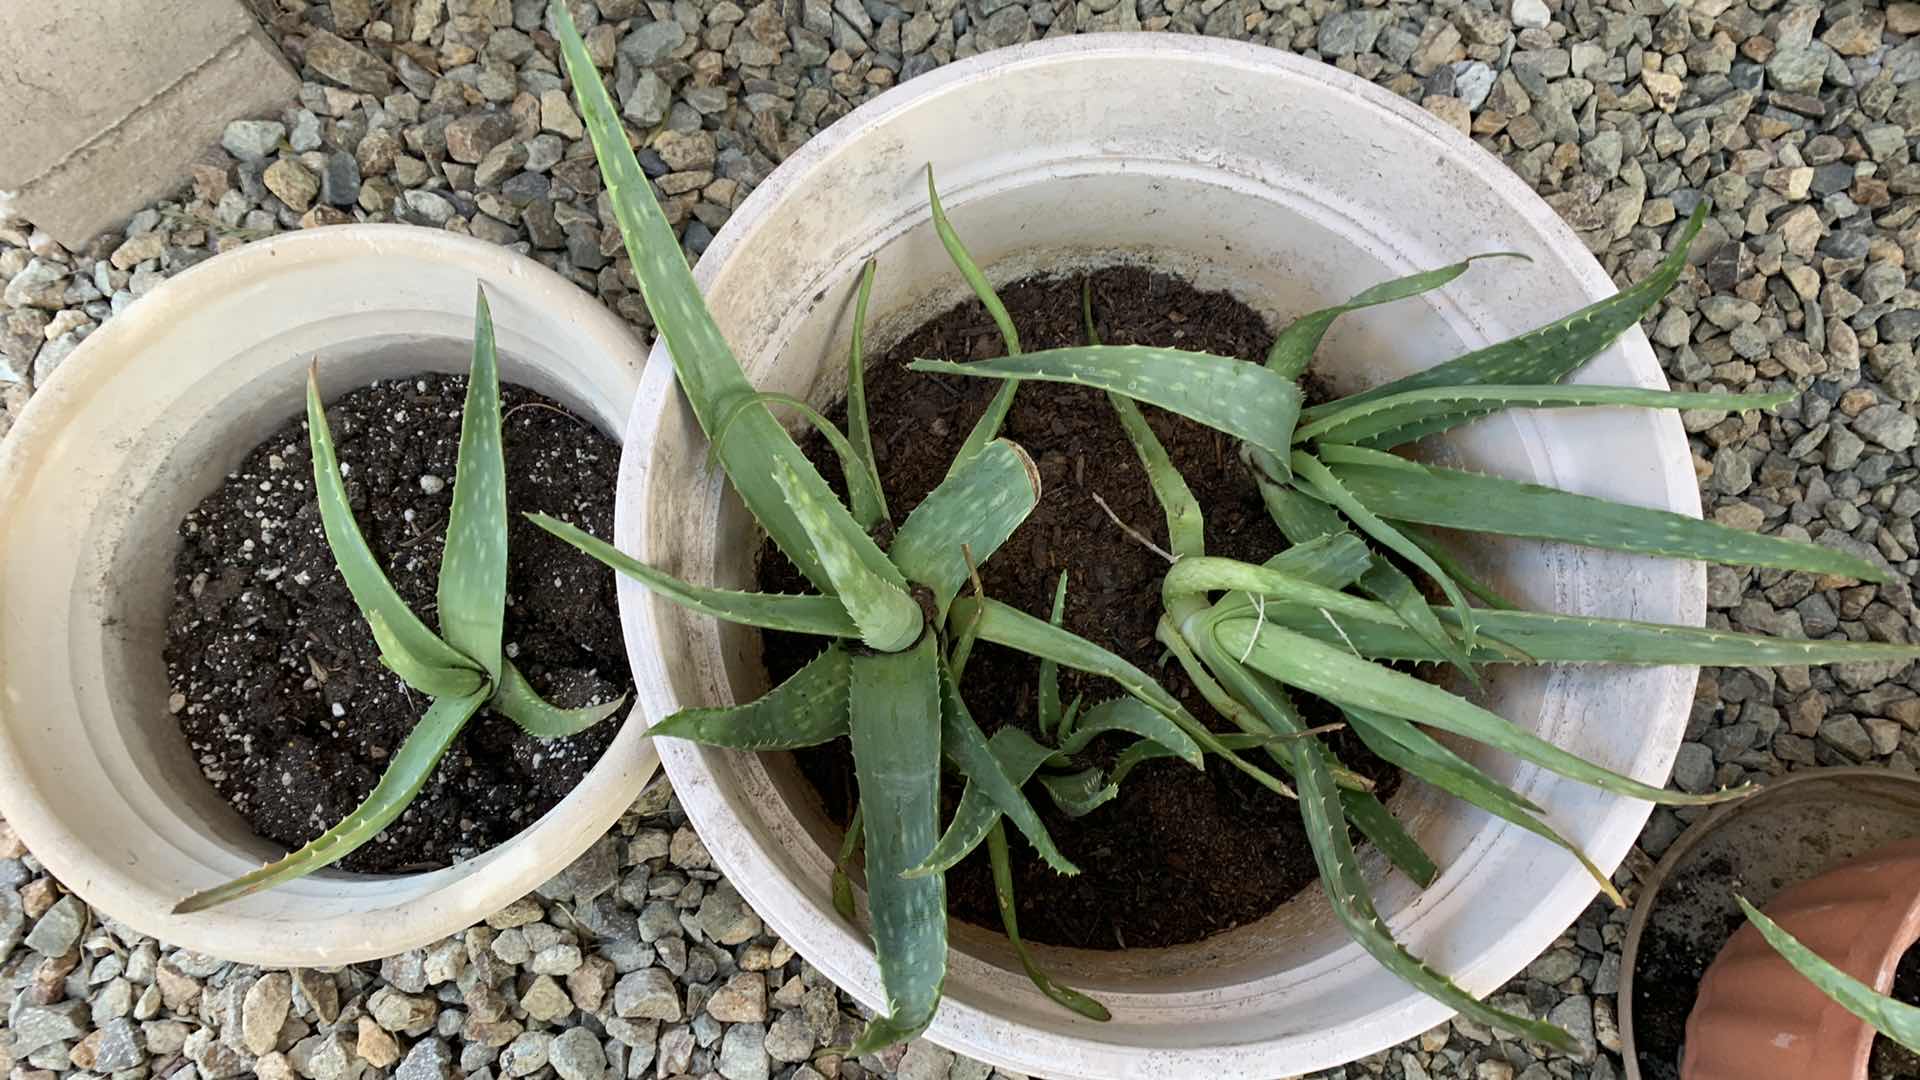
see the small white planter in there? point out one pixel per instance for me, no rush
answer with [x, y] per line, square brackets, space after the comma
[142, 422]
[1295, 186]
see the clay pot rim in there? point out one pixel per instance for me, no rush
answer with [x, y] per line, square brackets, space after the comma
[1649, 894]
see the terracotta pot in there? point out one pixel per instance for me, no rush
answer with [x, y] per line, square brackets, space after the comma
[1797, 828]
[1758, 1017]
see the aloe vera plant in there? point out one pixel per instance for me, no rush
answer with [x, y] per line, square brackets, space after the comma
[464, 667]
[1327, 616]
[897, 624]
[1324, 617]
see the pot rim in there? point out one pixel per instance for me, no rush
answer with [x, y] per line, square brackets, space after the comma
[1560, 904]
[1649, 897]
[471, 889]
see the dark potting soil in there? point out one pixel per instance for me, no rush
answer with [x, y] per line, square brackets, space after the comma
[277, 681]
[1180, 853]
[1890, 1060]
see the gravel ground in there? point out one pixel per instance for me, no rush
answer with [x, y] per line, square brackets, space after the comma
[1797, 120]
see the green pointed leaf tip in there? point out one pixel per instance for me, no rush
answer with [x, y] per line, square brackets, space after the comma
[405, 775]
[412, 644]
[703, 364]
[868, 505]
[1402, 418]
[822, 615]
[1244, 400]
[808, 709]
[1009, 920]
[988, 426]
[1452, 498]
[964, 745]
[473, 566]
[1293, 350]
[1546, 354]
[1050, 716]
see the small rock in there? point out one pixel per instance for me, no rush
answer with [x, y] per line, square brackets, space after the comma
[1531, 14]
[292, 183]
[576, 1055]
[264, 1011]
[402, 1013]
[1847, 735]
[557, 115]
[470, 137]
[347, 64]
[545, 1001]
[253, 140]
[1344, 33]
[430, 1059]
[35, 1026]
[925, 1061]
[789, 1039]
[652, 43]
[742, 999]
[743, 1053]
[527, 1054]
[1693, 769]
[1888, 426]
[648, 994]
[425, 208]
[374, 1046]
[59, 929]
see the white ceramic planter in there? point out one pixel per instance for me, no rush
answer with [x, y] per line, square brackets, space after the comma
[1294, 186]
[137, 426]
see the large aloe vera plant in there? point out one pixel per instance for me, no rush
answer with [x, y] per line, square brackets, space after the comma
[463, 668]
[888, 678]
[1321, 617]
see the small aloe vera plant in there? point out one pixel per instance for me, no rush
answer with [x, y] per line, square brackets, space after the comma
[1327, 616]
[463, 668]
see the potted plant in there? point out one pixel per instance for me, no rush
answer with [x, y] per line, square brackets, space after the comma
[893, 587]
[1826, 853]
[141, 430]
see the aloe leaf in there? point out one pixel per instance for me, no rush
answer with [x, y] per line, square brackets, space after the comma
[1081, 793]
[1293, 350]
[895, 724]
[517, 700]
[1016, 629]
[868, 506]
[1049, 714]
[1340, 677]
[1019, 757]
[1580, 639]
[987, 427]
[1347, 889]
[1186, 525]
[406, 774]
[1545, 354]
[824, 615]
[1362, 808]
[1010, 922]
[962, 742]
[808, 709]
[976, 507]
[372, 593]
[1453, 499]
[888, 618]
[417, 673]
[1244, 400]
[1361, 513]
[1144, 750]
[473, 566]
[859, 431]
[1405, 746]
[1304, 518]
[1402, 418]
[1458, 570]
[1893, 1018]
[849, 846]
[703, 364]
[1133, 716]
[1197, 576]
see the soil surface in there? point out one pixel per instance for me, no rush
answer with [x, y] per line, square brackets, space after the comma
[1180, 853]
[277, 681]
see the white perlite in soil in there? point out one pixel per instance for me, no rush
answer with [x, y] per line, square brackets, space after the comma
[1798, 120]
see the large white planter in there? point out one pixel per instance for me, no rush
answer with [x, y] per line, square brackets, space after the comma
[1295, 186]
[142, 422]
